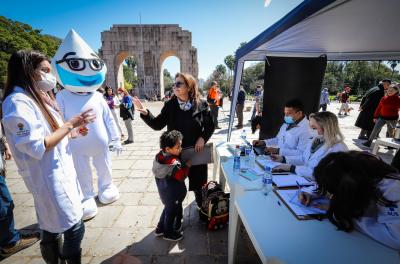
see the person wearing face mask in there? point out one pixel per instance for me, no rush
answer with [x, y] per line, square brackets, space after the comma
[190, 115]
[38, 140]
[326, 138]
[293, 135]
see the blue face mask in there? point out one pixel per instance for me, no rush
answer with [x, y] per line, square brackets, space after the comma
[73, 79]
[289, 120]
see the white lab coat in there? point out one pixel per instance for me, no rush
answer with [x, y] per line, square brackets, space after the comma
[293, 141]
[380, 222]
[49, 175]
[306, 162]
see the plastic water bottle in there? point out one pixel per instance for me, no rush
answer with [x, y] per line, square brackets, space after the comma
[243, 135]
[267, 181]
[236, 160]
[247, 151]
[252, 159]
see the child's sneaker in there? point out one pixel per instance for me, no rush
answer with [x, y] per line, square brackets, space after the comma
[175, 236]
[158, 232]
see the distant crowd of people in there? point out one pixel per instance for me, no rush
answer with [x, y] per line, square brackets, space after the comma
[378, 107]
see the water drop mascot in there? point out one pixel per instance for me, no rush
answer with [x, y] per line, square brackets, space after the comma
[81, 72]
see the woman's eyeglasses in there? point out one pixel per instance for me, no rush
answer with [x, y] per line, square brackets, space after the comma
[178, 84]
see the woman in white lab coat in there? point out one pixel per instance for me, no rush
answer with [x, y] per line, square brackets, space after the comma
[326, 138]
[364, 194]
[38, 138]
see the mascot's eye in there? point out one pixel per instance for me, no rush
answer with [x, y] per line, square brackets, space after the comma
[76, 64]
[96, 65]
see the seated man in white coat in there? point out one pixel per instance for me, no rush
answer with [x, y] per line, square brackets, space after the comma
[326, 138]
[293, 135]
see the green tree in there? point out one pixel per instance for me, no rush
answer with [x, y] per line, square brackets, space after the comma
[252, 76]
[242, 44]
[15, 36]
[130, 77]
[359, 75]
[230, 64]
[131, 63]
[219, 72]
[168, 80]
[129, 71]
[393, 65]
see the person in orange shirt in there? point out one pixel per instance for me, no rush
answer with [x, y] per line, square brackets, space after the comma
[214, 100]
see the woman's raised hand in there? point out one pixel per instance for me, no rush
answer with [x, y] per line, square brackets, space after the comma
[83, 118]
[139, 106]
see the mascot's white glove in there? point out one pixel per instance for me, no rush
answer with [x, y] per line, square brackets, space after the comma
[116, 146]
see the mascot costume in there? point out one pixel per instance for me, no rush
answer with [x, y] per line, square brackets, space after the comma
[81, 72]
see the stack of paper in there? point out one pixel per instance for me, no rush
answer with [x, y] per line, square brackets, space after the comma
[290, 180]
[268, 163]
[290, 198]
[248, 174]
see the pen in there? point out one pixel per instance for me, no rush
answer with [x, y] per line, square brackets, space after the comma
[298, 185]
[298, 190]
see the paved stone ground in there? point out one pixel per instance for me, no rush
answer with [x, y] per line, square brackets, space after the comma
[125, 228]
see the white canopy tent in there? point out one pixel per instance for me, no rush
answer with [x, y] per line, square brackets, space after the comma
[341, 29]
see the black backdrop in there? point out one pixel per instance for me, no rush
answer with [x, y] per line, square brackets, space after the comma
[290, 78]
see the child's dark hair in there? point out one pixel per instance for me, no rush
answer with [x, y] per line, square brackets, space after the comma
[169, 139]
[352, 179]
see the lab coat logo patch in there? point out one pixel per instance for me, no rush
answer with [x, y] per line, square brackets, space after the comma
[21, 131]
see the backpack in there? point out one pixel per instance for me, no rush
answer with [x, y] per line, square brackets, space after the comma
[215, 206]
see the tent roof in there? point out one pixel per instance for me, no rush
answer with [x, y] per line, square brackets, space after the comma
[341, 29]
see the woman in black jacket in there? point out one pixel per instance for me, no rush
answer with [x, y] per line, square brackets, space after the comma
[369, 102]
[188, 114]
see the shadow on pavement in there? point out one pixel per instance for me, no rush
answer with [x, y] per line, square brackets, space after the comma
[198, 246]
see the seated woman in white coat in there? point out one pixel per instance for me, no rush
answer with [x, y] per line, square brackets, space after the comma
[38, 138]
[364, 194]
[326, 138]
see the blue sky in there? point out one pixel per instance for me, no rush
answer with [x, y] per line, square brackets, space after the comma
[217, 26]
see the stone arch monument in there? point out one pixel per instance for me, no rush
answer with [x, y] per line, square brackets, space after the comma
[150, 45]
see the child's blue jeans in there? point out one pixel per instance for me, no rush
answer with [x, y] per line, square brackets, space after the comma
[172, 193]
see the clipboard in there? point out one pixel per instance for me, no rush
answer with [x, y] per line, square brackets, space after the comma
[283, 198]
[198, 158]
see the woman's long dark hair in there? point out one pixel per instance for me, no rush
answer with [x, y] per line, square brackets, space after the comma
[106, 91]
[352, 179]
[21, 72]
